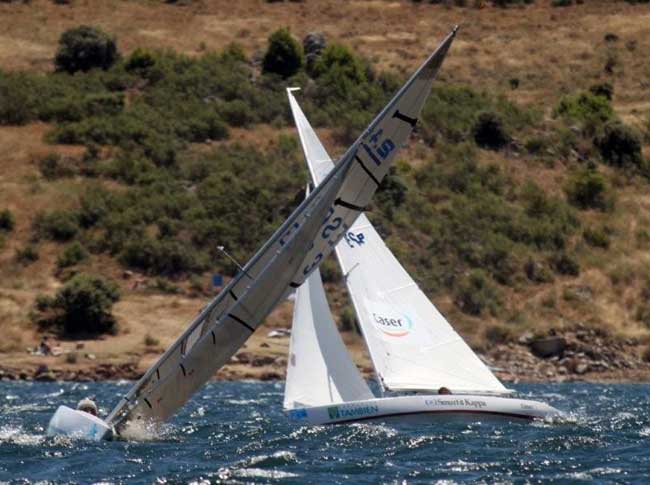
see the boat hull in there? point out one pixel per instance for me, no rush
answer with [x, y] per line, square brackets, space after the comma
[420, 408]
[78, 424]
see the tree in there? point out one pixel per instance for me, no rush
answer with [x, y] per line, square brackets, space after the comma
[82, 307]
[84, 48]
[489, 132]
[588, 189]
[7, 221]
[619, 145]
[284, 55]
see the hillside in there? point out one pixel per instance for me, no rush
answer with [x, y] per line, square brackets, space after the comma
[521, 205]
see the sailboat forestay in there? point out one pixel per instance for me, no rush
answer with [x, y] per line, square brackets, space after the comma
[283, 263]
[413, 348]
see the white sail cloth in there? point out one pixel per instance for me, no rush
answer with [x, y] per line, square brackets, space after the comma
[320, 370]
[411, 344]
[294, 251]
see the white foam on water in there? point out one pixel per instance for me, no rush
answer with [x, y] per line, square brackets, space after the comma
[144, 431]
[260, 473]
[17, 436]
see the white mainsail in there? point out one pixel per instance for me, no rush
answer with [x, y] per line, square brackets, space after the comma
[320, 370]
[411, 344]
[293, 252]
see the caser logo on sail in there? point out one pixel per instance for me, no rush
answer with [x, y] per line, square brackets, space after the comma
[393, 326]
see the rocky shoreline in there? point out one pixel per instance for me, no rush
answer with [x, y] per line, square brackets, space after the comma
[581, 354]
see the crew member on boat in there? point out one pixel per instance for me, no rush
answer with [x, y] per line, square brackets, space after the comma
[87, 405]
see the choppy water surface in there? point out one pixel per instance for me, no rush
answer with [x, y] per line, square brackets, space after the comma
[236, 432]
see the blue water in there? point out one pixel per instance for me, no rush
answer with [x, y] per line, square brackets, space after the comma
[235, 432]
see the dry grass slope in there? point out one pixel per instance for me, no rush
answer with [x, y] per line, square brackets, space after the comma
[550, 52]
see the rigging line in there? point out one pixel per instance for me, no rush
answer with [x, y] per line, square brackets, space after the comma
[398, 288]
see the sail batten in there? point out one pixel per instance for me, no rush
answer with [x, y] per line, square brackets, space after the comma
[401, 327]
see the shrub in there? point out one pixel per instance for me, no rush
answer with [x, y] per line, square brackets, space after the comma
[475, 294]
[597, 237]
[284, 55]
[537, 272]
[606, 90]
[83, 306]
[329, 271]
[620, 145]
[73, 254]
[566, 264]
[51, 167]
[7, 221]
[499, 334]
[83, 48]
[57, 225]
[489, 131]
[588, 189]
[348, 320]
[163, 257]
[150, 341]
[27, 255]
[643, 314]
[17, 98]
[587, 109]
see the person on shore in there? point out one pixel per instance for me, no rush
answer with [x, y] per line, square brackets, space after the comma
[87, 405]
[444, 391]
[44, 347]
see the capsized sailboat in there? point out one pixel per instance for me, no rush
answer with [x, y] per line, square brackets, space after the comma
[412, 346]
[284, 262]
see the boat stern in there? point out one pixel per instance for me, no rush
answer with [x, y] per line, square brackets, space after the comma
[78, 424]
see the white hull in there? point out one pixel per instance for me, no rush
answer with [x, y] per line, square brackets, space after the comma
[77, 424]
[427, 407]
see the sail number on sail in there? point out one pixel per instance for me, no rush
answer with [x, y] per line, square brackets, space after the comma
[331, 233]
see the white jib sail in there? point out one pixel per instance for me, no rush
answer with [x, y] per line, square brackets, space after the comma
[319, 369]
[290, 255]
[411, 344]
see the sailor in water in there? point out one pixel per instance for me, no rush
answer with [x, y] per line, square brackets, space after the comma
[87, 405]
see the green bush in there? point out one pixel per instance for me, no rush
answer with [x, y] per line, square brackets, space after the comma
[597, 237]
[587, 109]
[57, 225]
[588, 189]
[452, 111]
[566, 264]
[643, 315]
[284, 55]
[537, 272]
[164, 257]
[499, 334]
[348, 320]
[83, 307]
[53, 167]
[73, 254]
[17, 98]
[475, 294]
[489, 132]
[606, 90]
[7, 221]
[83, 48]
[27, 255]
[620, 145]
